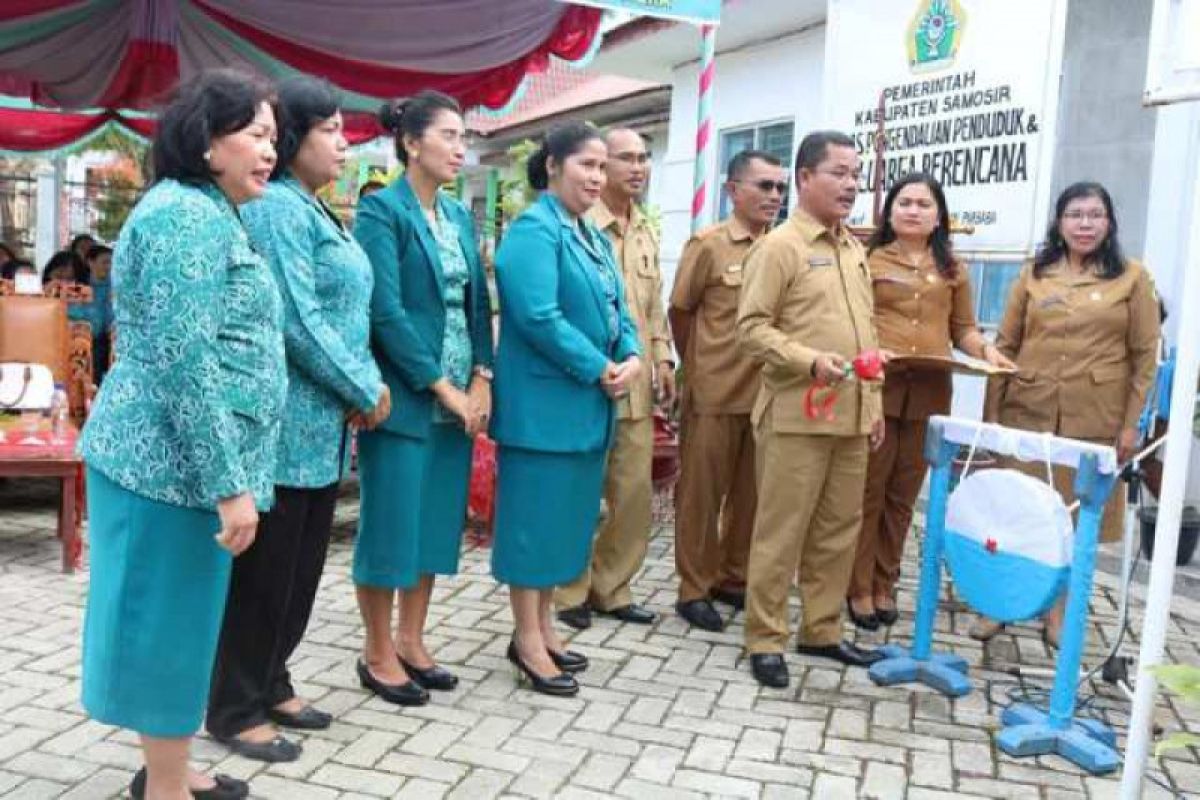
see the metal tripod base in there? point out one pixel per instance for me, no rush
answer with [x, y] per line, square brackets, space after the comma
[1088, 743]
[945, 672]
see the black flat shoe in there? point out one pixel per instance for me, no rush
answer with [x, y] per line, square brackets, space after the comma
[701, 614]
[306, 719]
[887, 616]
[402, 694]
[577, 617]
[730, 598]
[227, 788]
[434, 678]
[561, 685]
[634, 613]
[569, 660]
[868, 622]
[277, 751]
[770, 670]
[846, 652]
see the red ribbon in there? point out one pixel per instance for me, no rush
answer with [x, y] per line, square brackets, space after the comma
[820, 398]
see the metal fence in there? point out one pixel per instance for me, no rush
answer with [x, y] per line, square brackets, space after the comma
[18, 212]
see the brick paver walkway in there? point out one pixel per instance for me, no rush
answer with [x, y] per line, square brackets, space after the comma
[665, 712]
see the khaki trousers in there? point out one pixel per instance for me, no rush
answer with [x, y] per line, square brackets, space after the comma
[715, 500]
[895, 473]
[623, 537]
[810, 491]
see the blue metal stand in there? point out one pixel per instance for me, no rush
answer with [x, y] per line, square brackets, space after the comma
[1031, 731]
[945, 672]
[1027, 730]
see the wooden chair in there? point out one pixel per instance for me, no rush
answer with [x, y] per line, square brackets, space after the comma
[80, 380]
[35, 329]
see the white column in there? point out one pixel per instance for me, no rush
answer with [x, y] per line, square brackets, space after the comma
[46, 239]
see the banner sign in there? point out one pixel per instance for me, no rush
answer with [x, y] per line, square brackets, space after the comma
[967, 87]
[707, 12]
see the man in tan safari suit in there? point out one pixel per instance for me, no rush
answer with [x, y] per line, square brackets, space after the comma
[715, 496]
[621, 541]
[806, 312]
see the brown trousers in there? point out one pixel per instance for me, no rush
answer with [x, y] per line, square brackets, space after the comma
[714, 503]
[895, 473]
[810, 491]
[619, 548]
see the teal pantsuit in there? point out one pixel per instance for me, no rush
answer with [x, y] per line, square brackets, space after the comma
[430, 319]
[188, 416]
[562, 320]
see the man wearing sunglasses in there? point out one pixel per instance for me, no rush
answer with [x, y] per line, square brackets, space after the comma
[805, 313]
[719, 386]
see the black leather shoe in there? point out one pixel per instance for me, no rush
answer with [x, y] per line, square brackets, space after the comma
[634, 613]
[306, 719]
[730, 598]
[569, 660]
[277, 751]
[561, 685]
[847, 653]
[887, 616]
[402, 694]
[701, 614]
[577, 617]
[770, 669]
[434, 678]
[868, 622]
[227, 788]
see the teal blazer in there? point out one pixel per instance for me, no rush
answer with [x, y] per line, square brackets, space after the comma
[325, 281]
[556, 335]
[408, 304]
[189, 413]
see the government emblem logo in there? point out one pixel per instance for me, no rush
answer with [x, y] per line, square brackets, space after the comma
[935, 33]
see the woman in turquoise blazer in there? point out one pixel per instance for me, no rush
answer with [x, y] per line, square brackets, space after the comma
[568, 348]
[180, 444]
[325, 281]
[431, 331]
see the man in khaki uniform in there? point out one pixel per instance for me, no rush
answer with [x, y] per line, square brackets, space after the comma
[720, 383]
[805, 312]
[621, 541]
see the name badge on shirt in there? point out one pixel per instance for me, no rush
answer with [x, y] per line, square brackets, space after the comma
[734, 268]
[1052, 301]
[819, 261]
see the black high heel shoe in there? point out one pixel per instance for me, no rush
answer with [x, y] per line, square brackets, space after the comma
[568, 660]
[227, 788]
[561, 685]
[434, 678]
[402, 694]
[868, 622]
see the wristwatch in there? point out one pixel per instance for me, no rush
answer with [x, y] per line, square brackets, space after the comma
[483, 372]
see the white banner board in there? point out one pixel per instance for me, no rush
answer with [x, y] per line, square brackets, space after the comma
[969, 90]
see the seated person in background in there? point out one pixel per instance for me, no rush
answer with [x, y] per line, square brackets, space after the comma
[99, 264]
[66, 266]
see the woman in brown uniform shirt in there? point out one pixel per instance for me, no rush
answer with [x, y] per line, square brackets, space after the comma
[922, 307]
[1082, 323]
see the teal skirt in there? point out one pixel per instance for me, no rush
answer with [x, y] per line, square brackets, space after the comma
[156, 597]
[547, 506]
[413, 505]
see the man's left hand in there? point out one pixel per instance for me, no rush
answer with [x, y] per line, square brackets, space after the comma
[876, 436]
[667, 390]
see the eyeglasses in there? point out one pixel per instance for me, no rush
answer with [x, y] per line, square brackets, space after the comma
[842, 176]
[1090, 216]
[766, 186]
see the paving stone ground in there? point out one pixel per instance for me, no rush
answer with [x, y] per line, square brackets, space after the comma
[665, 711]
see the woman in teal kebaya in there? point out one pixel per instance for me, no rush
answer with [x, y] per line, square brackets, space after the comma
[431, 332]
[568, 348]
[180, 446]
[325, 281]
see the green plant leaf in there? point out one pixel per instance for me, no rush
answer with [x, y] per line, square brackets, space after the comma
[1180, 679]
[1176, 741]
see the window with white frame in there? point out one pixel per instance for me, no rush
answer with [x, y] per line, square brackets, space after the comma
[771, 137]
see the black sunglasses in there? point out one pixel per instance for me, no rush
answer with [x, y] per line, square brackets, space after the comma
[766, 186]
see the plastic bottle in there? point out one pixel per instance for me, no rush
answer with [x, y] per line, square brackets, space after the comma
[59, 414]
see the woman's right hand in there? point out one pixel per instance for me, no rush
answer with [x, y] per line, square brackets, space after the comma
[618, 378]
[239, 522]
[458, 403]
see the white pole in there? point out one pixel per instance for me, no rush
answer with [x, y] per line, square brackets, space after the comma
[1170, 508]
